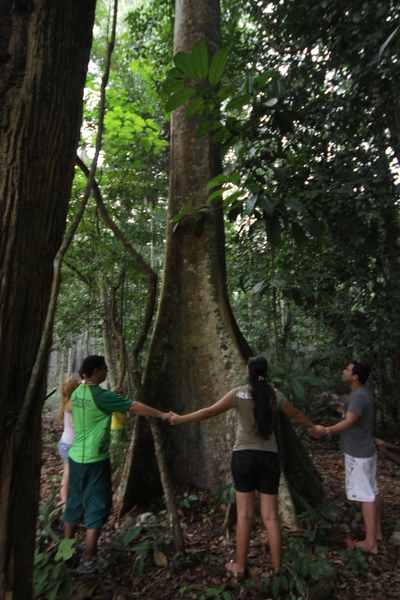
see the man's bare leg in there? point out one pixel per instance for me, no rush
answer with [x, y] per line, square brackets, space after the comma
[69, 530]
[379, 509]
[91, 537]
[369, 513]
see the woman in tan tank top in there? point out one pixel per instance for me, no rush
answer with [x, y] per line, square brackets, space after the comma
[255, 461]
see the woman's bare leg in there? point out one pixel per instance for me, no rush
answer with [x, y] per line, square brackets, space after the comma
[244, 521]
[270, 517]
[64, 483]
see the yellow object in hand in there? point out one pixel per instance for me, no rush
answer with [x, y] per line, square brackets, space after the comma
[118, 421]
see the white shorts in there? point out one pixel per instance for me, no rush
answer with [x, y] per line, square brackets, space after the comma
[361, 478]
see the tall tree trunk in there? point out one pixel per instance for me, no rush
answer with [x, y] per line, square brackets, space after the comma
[197, 352]
[44, 54]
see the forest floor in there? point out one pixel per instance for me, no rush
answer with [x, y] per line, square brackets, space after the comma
[141, 564]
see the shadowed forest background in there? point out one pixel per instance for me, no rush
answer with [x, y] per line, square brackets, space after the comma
[182, 185]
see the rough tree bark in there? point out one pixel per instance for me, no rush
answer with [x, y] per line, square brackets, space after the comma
[44, 52]
[197, 352]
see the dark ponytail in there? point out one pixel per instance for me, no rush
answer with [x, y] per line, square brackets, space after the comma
[263, 396]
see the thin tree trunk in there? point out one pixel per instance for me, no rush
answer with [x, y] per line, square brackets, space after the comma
[44, 54]
[163, 472]
[140, 264]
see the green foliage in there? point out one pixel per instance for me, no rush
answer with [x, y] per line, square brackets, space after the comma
[296, 381]
[191, 591]
[225, 495]
[147, 542]
[189, 500]
[355, 562]
[301, 572]
[133, 181]
[303, 102]
[220, 593]
[51, 577]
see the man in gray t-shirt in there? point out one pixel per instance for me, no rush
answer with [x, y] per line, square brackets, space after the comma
[358, 440]
[358, 444]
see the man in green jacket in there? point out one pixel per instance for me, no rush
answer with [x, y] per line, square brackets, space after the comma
[90, 492]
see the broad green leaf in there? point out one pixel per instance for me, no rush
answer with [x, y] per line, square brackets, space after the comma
[171, 85]
[231, 198]
[65, 550]
[195, 107]
[185, 63]
[175, 73]
[183, 212]
[131, 535]
[218, 63]
[179, 99]
[238, 102]
[221, 179]
[53, 593]
[225, 92]
[200, 59]
[216, 195]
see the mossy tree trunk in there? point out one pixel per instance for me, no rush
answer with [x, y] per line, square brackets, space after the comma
[44, 52]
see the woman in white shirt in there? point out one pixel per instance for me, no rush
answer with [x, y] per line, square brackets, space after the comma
[65, 443]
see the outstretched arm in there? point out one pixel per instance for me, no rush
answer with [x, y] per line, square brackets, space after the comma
[349, 420]
[297, 415]
[147, 411]
[316, 431]
[221, 406]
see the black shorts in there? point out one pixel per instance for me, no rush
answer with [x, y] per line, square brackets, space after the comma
[256, 470]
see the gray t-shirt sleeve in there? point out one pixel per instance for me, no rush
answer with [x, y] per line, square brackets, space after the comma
[357, 404]
[358, 440]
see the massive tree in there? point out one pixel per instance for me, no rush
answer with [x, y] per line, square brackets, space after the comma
[197, 352]
[44, 54]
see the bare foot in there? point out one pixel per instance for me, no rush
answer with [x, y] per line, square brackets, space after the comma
[366, 547]
[234, 570]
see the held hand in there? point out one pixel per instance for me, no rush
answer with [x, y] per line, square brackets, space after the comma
[317, 432]
[165, 416]
[173, 418]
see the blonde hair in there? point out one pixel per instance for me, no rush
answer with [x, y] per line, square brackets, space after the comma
[66, 390]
